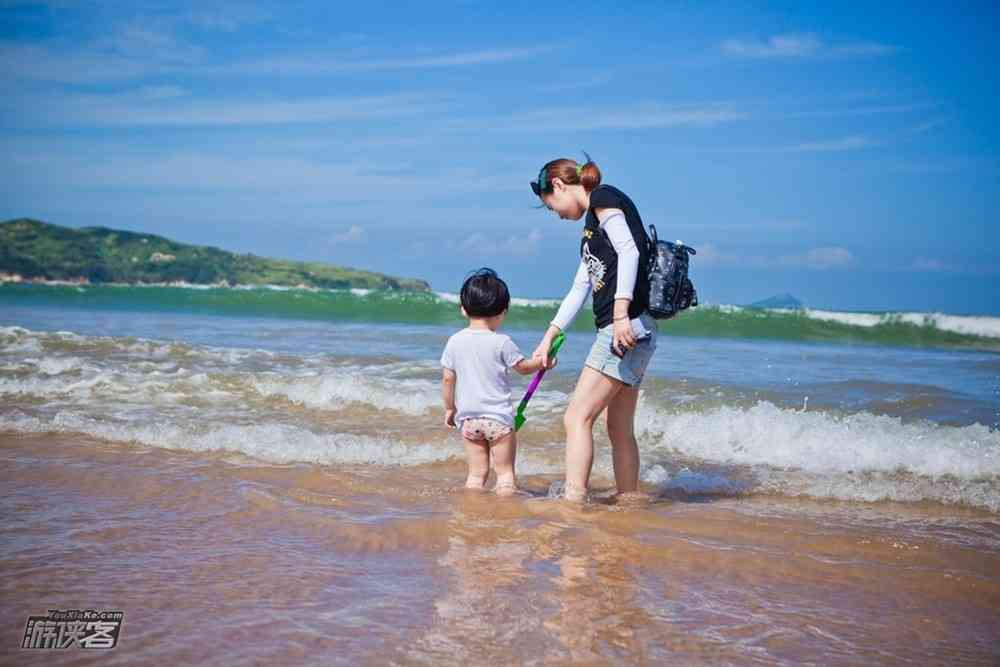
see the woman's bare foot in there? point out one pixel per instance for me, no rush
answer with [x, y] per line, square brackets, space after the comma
[574, 493]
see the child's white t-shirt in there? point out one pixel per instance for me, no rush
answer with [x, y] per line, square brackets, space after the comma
[481, 359]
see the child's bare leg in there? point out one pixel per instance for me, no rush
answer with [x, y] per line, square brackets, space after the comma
[504, 454]
[478, 456]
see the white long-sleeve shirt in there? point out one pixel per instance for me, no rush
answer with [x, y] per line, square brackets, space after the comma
[628, 268]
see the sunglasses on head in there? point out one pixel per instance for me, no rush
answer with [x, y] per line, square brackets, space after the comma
[542, 184]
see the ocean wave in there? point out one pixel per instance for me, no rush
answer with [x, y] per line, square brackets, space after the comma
[905, 329]
[969, 325]
[860, 456]
[185, 396]
[270, 442]
[335, 389]
[450, 297]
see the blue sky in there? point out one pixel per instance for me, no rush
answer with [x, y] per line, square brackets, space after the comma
[846, 154]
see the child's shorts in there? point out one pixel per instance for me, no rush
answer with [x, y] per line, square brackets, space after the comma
[632, 366]
[484, 429]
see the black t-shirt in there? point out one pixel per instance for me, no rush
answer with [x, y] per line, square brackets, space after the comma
[602, 260]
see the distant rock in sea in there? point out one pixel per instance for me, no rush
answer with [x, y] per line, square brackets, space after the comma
[778, 301]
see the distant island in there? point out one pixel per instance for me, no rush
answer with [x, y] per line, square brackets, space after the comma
[35, 251]
[779, 301]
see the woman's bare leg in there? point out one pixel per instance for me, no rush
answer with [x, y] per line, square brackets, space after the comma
[593, 393]
[621, 430]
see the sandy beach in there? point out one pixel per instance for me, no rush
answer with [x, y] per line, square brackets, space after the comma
[220, 559]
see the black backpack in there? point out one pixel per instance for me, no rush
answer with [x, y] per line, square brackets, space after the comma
[670, 289]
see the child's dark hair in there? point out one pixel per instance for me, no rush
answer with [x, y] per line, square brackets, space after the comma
[484, 294]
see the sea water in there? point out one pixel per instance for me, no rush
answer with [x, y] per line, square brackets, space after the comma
[272, 466]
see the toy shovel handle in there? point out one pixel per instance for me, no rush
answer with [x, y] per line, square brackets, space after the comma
[519, 418]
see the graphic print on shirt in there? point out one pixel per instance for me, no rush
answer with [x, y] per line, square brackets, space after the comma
[595, 267]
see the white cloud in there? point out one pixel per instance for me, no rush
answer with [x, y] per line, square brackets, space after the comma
[801, 45]
[158, 106]
[933, 265]
[476, 243]
[352, 235]
[817, 259]
[150, 40]
[522, 246]
[851, 143]
[358, 180]
[481, 245]
[864, 49]
[709, 255]
[843, 144]
[45, 63]
[831, 257]
[754, 227]
[779, 46]
[322, 63]
[161, 92]
[641, 116]
[157, 45]
[225, 19]
[860, 111]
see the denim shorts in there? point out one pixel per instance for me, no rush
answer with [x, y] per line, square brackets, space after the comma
[629, 368]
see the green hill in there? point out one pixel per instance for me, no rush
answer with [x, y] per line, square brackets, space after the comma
[37, 250]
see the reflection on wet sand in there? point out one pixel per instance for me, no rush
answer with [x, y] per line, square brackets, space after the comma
[508, 569]
[216, 558]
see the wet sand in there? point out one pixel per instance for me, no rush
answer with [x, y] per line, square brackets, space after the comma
[218, 559]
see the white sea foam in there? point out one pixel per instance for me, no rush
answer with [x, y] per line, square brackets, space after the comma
[725, 308]
[860, 456]
[18, 339]
[59, 365]
[877, 487]
[192, 397]
[515, 301]
[272, 442]
[692, 482]
[94, 370]
[448, 296]
[536, 303]
[822, 442]
[987, 327]
[335, 389]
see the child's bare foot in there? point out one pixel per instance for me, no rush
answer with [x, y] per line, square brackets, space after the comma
[505, 485]
[475, 483]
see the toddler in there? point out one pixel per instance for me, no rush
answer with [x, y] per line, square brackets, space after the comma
[475, 383]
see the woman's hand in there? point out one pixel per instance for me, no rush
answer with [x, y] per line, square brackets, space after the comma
[449, 418]
[623, 337]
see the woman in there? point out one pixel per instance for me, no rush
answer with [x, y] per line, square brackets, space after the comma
[613, 256]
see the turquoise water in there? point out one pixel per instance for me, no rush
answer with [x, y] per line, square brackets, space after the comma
[719, 321]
